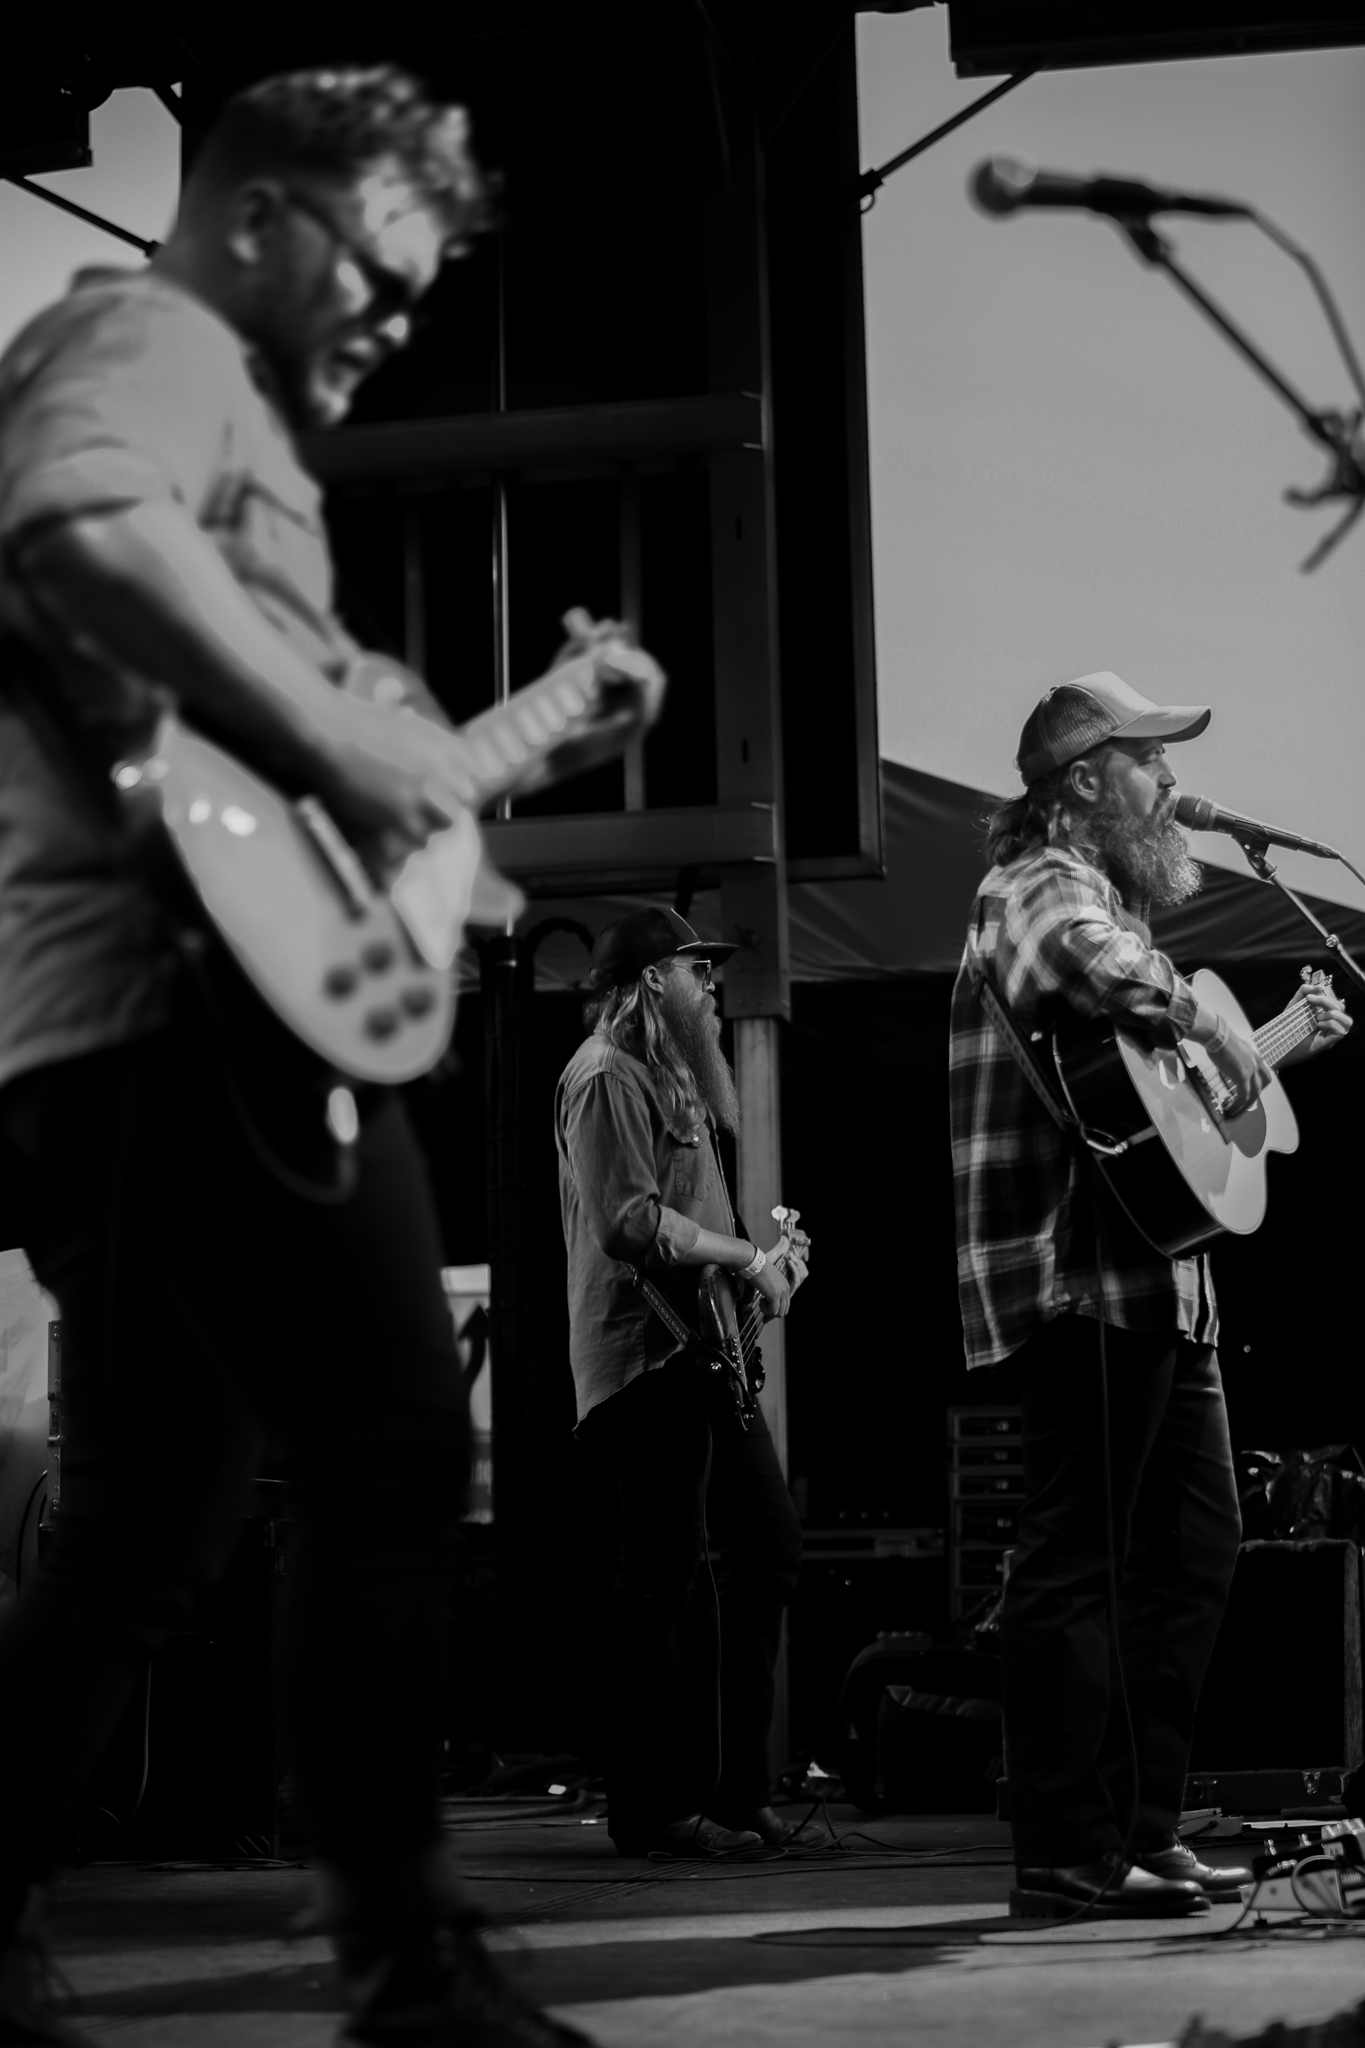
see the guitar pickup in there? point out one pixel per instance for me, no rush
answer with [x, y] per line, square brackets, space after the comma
[340, 859]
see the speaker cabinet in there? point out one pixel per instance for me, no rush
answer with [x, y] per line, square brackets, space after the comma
[1283, 1692]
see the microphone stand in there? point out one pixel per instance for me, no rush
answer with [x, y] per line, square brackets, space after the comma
[1256, 852]
[1332, 430]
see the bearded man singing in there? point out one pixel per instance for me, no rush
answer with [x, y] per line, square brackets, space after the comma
[1043, 1255]
[641, 1187]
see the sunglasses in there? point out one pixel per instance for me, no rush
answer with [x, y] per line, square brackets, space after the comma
[701, 969]
[392, 296]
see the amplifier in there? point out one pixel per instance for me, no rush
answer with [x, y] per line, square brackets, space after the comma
[1283, 1693]
[985, 1490]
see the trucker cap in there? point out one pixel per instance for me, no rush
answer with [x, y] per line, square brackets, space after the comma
[623, 950]
[1077, 716]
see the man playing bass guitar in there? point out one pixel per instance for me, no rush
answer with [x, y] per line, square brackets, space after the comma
[1044, 1255]
[644, 1201]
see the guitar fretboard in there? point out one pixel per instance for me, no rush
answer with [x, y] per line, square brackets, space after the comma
[503, 738]
[1284, 1032]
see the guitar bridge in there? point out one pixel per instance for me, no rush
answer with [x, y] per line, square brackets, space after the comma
[1208, 1086]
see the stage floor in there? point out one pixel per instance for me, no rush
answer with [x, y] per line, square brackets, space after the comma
[899, 1939]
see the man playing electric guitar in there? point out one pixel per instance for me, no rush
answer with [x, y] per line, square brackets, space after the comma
[160, 544]
[1044, 1255]
[644, 1198]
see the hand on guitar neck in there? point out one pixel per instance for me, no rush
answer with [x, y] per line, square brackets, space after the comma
[598, 692]
[146, 591]
[1240, 1061]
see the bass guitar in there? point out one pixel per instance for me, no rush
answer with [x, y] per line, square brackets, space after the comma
[1155, 1120]
[730, 1311]
[730, 1316]
[354, 952]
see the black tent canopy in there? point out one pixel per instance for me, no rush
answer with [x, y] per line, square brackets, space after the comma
[912, 921]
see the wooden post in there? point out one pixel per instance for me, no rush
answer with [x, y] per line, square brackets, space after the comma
[748, 721]
[757, 1076]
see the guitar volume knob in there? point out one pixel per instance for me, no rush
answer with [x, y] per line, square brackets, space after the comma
[417, 1000]
[378, 957]
[340, 981]
[381, 1023]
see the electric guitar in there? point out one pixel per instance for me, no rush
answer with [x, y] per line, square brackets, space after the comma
[1155, 1120]
[730, 1310]
[354, 952]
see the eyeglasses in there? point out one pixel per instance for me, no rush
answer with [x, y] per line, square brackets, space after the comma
[392, 295]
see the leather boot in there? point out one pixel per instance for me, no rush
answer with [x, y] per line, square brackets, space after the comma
[1216, 1881]
[1112, 1889]
[768, 1824]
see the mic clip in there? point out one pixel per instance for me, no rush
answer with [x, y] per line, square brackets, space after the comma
[1345, 479]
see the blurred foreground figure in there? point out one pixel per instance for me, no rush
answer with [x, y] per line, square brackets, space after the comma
[163, 1139]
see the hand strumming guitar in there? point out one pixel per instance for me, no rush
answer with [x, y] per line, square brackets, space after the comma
[1242, 1068]
[775, 1289]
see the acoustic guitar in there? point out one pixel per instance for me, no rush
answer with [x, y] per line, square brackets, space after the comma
[1155, 1119]
[353, 952]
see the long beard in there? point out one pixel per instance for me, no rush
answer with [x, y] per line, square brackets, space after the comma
[1144, 857]
[694, 1027]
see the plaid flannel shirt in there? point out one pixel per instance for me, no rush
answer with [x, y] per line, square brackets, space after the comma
[1051, 932]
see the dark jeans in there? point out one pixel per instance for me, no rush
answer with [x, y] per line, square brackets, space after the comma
[204, 1305]
[683, 1735]
[1176, 1530]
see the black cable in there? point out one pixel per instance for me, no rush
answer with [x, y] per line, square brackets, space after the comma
[136, 1806]
[715, 1608]
[23, 1530]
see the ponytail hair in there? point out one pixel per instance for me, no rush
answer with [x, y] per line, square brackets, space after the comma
[1045, 815]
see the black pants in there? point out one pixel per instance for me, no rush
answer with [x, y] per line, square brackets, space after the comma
[1176, 1530]
[684, 1736]
[204, 1305]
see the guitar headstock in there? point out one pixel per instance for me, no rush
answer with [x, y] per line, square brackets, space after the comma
[798, 1243]
[617, 674]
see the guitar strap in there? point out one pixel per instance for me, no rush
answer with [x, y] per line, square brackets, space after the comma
[1008, 1034]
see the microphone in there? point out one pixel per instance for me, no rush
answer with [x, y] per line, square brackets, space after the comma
[1200, 815]
[1003, 185]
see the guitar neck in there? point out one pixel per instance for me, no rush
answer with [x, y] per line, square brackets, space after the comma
[1280, 1036]
[510, 740]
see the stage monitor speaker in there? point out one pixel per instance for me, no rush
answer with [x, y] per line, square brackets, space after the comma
[1283, 1692]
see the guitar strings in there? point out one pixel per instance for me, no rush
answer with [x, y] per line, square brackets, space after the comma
[1283, 1033]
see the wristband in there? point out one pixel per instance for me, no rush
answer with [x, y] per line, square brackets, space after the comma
[1220, 1036]
[755, 1265]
